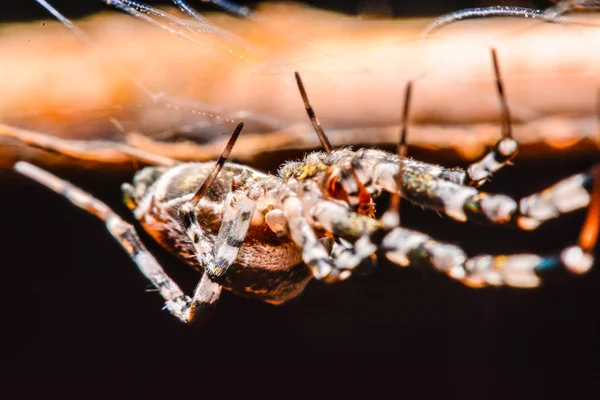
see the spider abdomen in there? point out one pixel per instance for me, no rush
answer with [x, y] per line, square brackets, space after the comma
[268, 266]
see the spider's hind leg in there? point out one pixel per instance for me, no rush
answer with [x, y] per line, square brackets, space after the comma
[505, 149]
[503, 152]
[530, 212]
[423, 185]
[405, 248]
[410, 248]
[175, 300]
[565, 196]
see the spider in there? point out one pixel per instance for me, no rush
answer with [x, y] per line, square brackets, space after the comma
[266, 236]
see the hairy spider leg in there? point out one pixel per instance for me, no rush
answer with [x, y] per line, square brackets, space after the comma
[218, 165]
[297, 199]
[501, 155]
[424, 185]
[176, 302]
[358, 188]
[314, 253]
[312, 116]
[410, 248]
[338, 219]
[236, 221]
[392, 216]
[565, 196]
[478, 172]
[520, 270]
[207, 292]
[504, 150]
[232, 232]
[187, 212]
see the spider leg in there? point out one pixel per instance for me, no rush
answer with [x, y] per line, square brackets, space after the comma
[422, 185]
[240, 206]
[405, 247]
[364, 236]
[565, 196]
[357, 234]
[314, 253]
[236, 221]
[505, 149]
[410, 248]
[100, 151]
[175, 300]
[519, 270]
[482, 170]
[234, 226]
[341, 248]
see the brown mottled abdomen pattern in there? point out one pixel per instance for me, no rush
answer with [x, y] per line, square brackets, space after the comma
[268, 267]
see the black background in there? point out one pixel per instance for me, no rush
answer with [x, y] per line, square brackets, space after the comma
[77, 323]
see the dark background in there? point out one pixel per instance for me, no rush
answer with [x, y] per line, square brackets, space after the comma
[77, 322]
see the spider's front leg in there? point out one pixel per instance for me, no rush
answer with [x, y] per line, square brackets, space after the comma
[502, 153]
[410, 248]
[175, 300]
[423, 185]
[240, 205]
[406, 247]
[482, 170]
[314, 253]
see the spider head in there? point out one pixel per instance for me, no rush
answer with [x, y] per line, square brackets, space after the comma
[345, 181]
[339, 174]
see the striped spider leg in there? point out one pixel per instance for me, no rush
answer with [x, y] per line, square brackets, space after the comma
[265, 236]
[175, 300]
[183, 221]
[180, 305]
[244, 231]
[350, 178]
[406, 247]
[357, 176]
[239, 207]
[255, 234]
